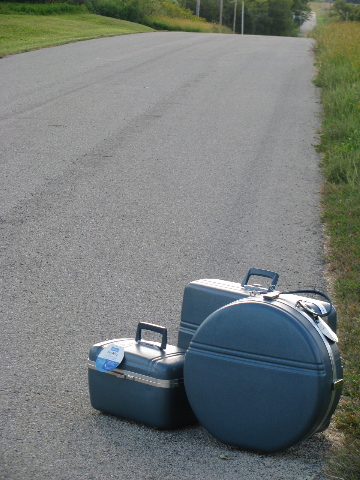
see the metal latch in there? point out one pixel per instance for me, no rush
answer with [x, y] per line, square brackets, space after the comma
[271, 295]
[338, 384]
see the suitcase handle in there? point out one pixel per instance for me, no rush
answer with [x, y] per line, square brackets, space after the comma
[262, 273]
[153, 328]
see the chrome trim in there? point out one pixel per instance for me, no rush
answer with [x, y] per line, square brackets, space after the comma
[220, 285]
[332, 361]
[137, 377]
[118, 341]
[338, 384]
[233, 287]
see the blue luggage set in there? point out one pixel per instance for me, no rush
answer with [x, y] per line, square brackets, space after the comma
[259, 369]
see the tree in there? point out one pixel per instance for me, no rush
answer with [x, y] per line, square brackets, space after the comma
[302, 10]
[257, 17]
[345, 11]
[262, 17]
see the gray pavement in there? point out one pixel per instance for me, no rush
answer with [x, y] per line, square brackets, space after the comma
[309, 24]
[129, 167]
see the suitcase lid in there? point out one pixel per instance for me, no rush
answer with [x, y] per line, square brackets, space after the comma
[205, 296]
[260, 375]
[145, 358]
[244, 287]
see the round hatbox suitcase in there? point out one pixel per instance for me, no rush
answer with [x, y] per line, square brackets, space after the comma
[263, 373]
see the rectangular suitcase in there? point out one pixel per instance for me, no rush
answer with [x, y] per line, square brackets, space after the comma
[147, 386]
[205, 296]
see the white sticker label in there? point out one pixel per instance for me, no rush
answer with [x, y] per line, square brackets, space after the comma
[109, 358]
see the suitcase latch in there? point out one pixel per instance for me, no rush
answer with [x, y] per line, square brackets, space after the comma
[338, 384]
[271, 295]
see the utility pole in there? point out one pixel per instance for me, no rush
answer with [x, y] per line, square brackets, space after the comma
[242, 18]
[234, 24]
[221, 11]
[198, 8]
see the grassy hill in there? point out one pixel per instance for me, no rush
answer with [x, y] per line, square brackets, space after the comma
[25, 27]
[22, 32]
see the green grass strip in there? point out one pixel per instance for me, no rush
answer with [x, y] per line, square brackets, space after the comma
[338, 63]
[22, 32]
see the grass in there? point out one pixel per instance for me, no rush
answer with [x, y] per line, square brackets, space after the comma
[184, 24]
[25, 27]
[25, 32]
[338, 63]
[40, 8]
[321, 10]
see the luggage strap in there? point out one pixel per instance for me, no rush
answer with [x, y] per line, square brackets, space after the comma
[316, 316]
[306, 307]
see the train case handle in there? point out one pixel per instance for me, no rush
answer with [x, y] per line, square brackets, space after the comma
[261, 273]
[153, 328]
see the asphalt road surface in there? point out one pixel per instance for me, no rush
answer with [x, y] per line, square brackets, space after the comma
[309, 24]
[129, 167]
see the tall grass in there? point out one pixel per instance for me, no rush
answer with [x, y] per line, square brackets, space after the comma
[158, 14]
[184, 24]
[338, 62]
[40, 9]
[130, 10]
[338, 47]
[168, 15]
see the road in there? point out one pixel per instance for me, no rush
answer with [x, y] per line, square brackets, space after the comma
[309, 24]
[130, 166]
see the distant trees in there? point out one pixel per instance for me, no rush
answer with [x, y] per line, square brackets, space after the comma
[262, 17]
[342, 10]
[269, 17]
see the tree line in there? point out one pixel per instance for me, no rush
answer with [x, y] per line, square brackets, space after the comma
[261, 17]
